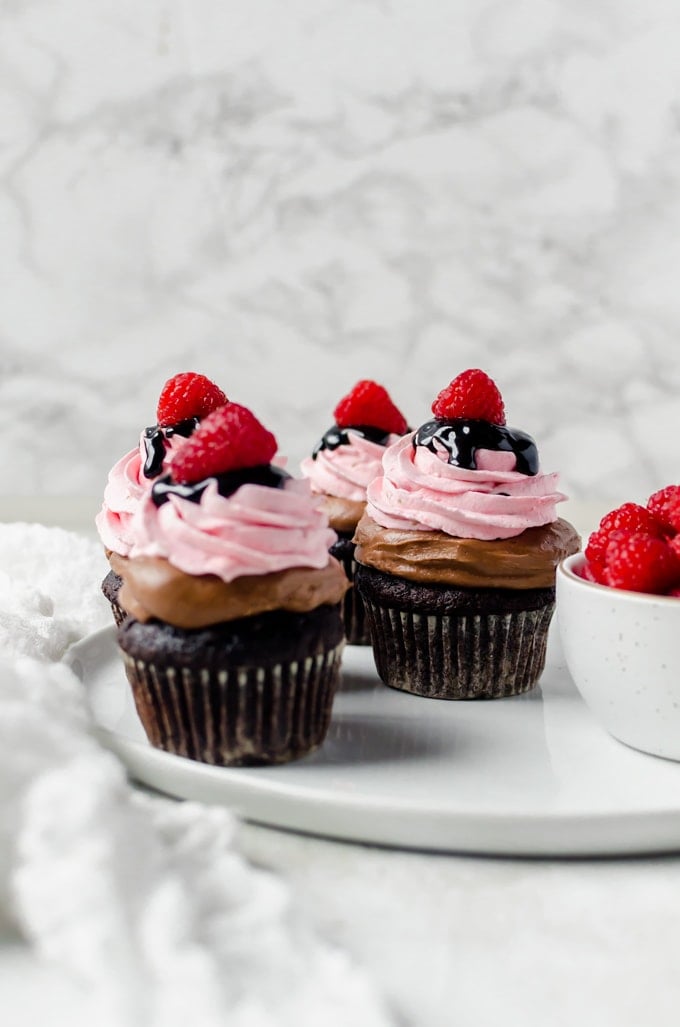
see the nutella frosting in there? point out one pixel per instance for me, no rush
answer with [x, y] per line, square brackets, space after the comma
[527, 560]
[343, 514]
[341, 475]
[154, 589]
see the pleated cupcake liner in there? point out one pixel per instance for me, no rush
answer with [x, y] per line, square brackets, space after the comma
[354, 615]
[459, 656]
[240, 715]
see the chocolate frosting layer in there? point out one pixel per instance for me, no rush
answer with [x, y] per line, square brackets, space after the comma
[154, 589]
[343, 514]
[431, 557]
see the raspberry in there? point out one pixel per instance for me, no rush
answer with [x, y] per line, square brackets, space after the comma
[640, 563]
[472, 395]
[596, 551]
[623, 521]
[665, 506]
[369, 404]
[229, 439]
[631, 517]
[590, 573]
[674, 543]
[187, 395]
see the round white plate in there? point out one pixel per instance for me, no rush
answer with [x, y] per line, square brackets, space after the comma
[532, 775]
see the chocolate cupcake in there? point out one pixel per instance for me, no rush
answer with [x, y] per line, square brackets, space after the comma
[344, 461]
[184, 400]
[233, 635]
[457, 552]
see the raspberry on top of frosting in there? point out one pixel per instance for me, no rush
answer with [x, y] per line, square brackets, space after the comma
[463, 474]
[369, 404]
[184, 400]
[187, 395]
[349, 454]
[473, 395]
[224, 509]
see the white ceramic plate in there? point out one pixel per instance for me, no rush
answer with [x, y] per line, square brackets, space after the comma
[531, 775]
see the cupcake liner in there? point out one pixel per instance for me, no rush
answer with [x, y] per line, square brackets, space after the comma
[459, 655]
[356, 628]
[240, 715]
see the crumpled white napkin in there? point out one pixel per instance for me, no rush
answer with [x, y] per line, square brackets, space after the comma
[145, 901]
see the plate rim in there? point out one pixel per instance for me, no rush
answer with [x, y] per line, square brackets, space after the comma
[287, 805]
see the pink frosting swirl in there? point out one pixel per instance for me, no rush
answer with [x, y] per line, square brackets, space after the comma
[346, 470]
[419, 489]
[125, 489]
[257, 530]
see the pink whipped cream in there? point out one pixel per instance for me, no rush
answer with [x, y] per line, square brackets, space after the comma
[125, 489]
[347, 470]
[257, 530]
[418, 489]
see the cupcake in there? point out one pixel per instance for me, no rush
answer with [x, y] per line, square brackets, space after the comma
[345, 460]
[184, 400]
[457, 552]
[233, 634]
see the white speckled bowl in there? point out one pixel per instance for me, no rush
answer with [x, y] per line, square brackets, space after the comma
[623, 652]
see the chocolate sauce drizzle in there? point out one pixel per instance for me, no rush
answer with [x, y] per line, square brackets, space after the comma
[227, 483]
[336, 436]
[461, 438]
[154, 443]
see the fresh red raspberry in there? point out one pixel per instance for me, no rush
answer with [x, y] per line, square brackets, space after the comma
[229, 439]
[665, 506]
[674, 543]
[369, 404]
[631, 517]
[639, 563]
[187, 395]
[624, 520]
[472, 395]
[591, 572]
[596, 552]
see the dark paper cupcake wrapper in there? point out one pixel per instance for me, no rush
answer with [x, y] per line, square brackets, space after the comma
[237, 715]
[459, 656]
[353, 612]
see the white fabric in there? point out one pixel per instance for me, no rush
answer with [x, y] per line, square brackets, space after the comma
[146, 902]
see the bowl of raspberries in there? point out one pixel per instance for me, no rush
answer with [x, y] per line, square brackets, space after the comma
[618, 611]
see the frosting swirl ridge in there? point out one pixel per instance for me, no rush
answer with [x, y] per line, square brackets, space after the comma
[126, 487]
[420, 490]
[256, 530]
[346, 470]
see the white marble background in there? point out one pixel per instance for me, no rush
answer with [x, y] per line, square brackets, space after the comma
[292, 195]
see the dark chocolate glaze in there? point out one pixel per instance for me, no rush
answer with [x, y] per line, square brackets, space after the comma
[461, 438]
[227, 483]
[154, 443]
[336, 436]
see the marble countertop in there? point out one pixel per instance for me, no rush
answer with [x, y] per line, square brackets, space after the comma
[293, 199]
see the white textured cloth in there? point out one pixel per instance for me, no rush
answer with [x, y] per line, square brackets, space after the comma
[146, 902]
